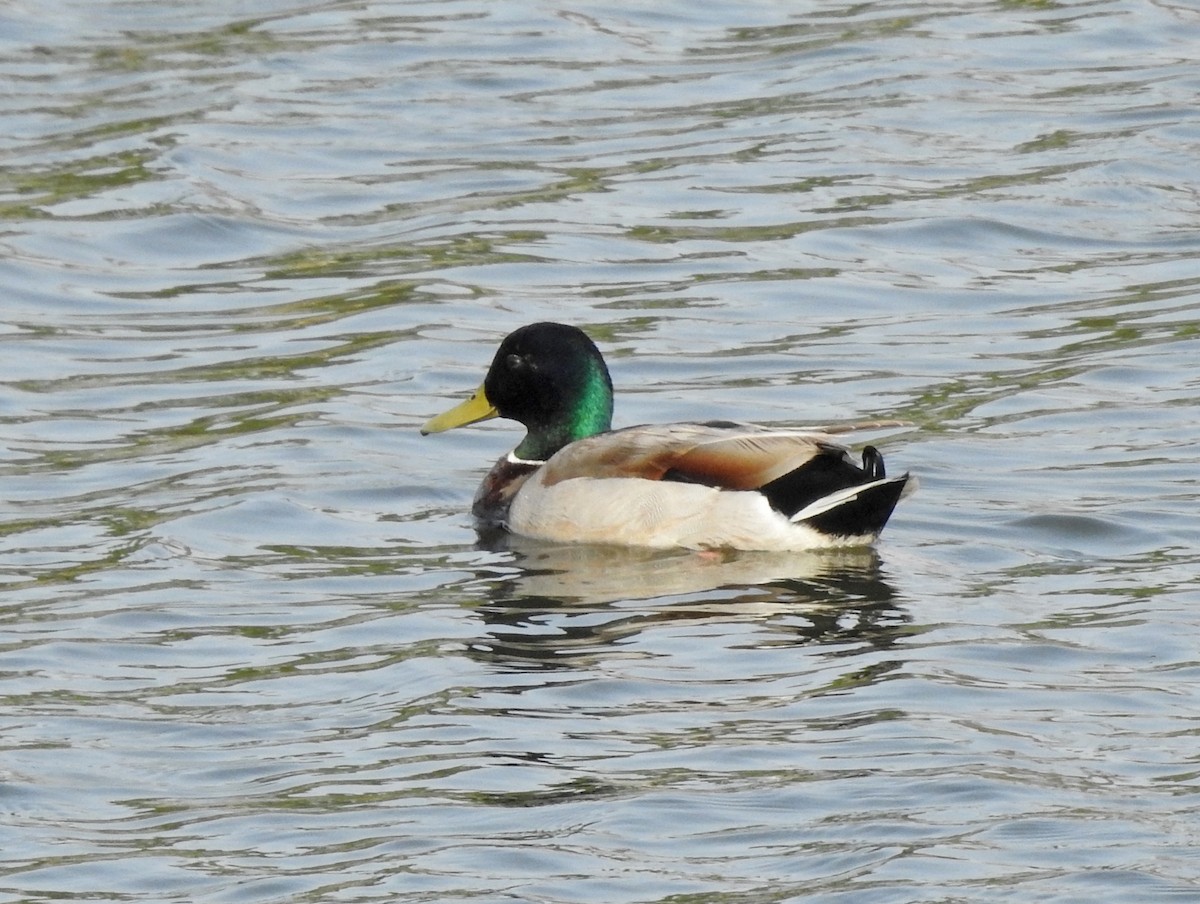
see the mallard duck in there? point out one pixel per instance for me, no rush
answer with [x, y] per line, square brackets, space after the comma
[709, 485]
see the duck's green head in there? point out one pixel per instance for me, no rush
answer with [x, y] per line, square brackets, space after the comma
[551, 378]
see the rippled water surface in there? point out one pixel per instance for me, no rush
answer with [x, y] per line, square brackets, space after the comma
[252, 648]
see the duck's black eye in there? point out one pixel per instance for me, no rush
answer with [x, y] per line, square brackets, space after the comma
[515, 362]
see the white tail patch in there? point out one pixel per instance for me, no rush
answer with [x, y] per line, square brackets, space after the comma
[841, 497]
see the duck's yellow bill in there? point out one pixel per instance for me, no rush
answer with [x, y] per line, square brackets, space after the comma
[476, 408]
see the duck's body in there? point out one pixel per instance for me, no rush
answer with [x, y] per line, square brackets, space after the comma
[710, 485]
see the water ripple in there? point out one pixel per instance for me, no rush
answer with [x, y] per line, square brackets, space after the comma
[254, 650]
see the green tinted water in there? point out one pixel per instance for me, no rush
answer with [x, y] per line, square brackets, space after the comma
[252, 648]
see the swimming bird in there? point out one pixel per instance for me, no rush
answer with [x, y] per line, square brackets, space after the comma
[712, 485]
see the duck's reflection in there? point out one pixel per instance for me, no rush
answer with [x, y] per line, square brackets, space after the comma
[568, 606]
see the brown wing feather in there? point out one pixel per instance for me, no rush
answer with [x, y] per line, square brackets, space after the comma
[741, 457]
[748, 462]
[860, 425]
